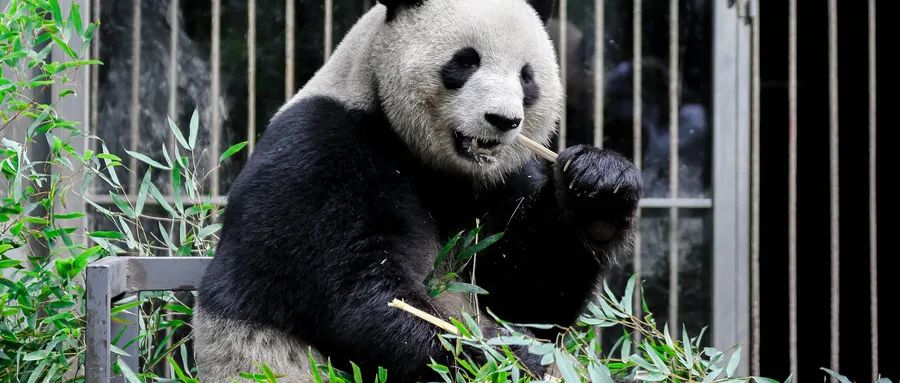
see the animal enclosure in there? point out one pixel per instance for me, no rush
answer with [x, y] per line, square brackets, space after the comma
[746, 119]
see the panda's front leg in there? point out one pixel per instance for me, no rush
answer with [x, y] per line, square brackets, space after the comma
[598, 193]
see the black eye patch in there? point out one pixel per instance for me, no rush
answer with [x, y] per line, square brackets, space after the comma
[529, 87]
[460, 68]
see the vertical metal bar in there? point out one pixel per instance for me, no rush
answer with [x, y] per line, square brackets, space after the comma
[731, 177]
[134, 110]
[637, 81]
[173, 111]
[674, 90]
[792, 186]
[173, 66]
[95, 77]
[873, 207]
[835, 184]
[563, 67]
[329, 28]
[289, 49]
[251, 76]
[755, 193]
[215, 126]
[599, 70]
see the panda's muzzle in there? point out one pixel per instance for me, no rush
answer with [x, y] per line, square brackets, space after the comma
[477, 148]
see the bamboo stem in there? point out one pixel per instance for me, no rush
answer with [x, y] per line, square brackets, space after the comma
[396, 303]
[538, 149]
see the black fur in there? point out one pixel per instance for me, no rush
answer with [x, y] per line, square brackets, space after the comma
[333, 217]
[530, 88]
[544, 8]
[394, 6]
[460, 68]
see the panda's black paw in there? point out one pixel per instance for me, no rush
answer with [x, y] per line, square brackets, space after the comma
[598, 190]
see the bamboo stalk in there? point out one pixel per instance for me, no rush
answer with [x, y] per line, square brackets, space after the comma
[538, 149]
[396, 303]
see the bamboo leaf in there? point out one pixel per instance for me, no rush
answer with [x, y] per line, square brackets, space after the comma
[142, 194]
[178, 136]
[232, 150]
[194, 127]
[566, 368]
[734, 362]
[146, 160]
[130, 376]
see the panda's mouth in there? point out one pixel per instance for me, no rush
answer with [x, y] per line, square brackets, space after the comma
[476, 148]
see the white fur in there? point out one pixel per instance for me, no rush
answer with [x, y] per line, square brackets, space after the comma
[508, 34]
[401, 61]
[347, 77]
[225, 348]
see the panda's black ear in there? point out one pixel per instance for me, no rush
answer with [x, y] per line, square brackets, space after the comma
[544, 8]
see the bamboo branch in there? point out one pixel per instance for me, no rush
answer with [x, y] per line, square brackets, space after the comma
[396, 303]
[538, 149]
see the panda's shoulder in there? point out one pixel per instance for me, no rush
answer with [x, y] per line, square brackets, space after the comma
[320, 139]
[311, 121]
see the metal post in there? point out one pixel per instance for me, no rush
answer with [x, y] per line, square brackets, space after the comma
[563, 68]
[731, 177]
[215, 128]
[674, 90]
[289, 49]
[328, 43]
[135, 108]
[754, 195]
[835, 185]
[637, 131]
[173, 67]
[599, 70]
[251, 76]
[873, 208]
[792, 186]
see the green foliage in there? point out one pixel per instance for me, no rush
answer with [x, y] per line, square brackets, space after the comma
[46, 243]
[41, 323]
[453, 259]
[642, 352]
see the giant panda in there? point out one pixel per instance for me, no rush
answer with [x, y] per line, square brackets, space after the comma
[406, 136]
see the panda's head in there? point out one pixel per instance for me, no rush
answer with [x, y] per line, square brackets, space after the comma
[460, 79]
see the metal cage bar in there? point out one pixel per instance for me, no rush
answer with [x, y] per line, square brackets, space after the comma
[251, 76]
[563, 68]
[834, 157]
[636, 127]
[95, 75]
[599, 70]
[873, 208]
[792, 186]
[215, 126]
[328, 43]
[674, 89]
[731, 176]
[174, 5]
[289, 36]
[755, 193]
[134, 110]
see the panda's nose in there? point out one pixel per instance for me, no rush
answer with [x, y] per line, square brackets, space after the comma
[503, 123]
